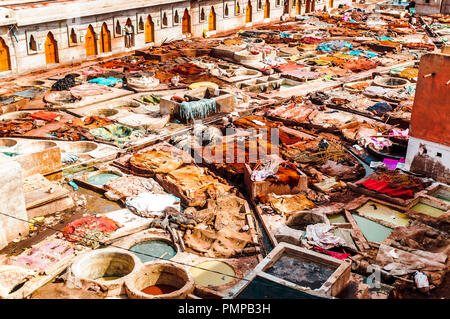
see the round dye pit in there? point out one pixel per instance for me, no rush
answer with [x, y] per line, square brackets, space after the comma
[212, 273]
[104, 112]
[79, 147]
[157, 248]
[35, 146]
[7, 143]
[15, 115]
[159, 280]
[109, 267]
[8, 146]
[101, 179]
[391, 82]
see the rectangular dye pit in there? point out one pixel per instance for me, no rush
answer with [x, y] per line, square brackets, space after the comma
[374, 210]
[307, 270]
[262, 288]
[442, 193]
[337, 219]
[373, 231]
[301, 272]
[426, 209]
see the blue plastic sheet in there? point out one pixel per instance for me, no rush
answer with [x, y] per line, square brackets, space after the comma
[105, 81]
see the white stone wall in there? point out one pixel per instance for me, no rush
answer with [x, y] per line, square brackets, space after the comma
[12, 202]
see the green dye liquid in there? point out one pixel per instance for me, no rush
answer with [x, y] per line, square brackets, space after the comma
[337, 219]
[101, 179]
[442, 194]
[382, 212]
[156, 248]
[428, 210]
[372, 231]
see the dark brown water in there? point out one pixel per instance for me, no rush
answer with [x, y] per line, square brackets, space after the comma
[301, 272]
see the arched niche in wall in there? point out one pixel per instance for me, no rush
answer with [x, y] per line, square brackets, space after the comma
[118, 29]
[51, 49]
[202, 15]
[5, 58]
[149, 30]
[165, 21]
[186, 23]
[90, 42]
[141, 25]
[176, 17]
[267, 9]
[105, 39]
[212, 20]
[31, 44]
[73, 38]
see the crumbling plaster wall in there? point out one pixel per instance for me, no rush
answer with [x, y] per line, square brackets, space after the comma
[428, 158]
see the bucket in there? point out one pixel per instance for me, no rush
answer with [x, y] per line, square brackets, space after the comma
[159, 280]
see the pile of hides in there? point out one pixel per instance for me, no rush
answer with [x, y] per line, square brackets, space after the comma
[72, 133]
[64, 84]
[395, 184]
[187, 69]
[331, 119]
[45, 116]
[196, 184]
[320, 235]
[276, 172]
[222, 231]
[142, 82]
[89, 231]
[43, 257]
[197, 109]
[89, 89]
[297, 113]
[380, 108]
[334, 45]
[150, 98]
[130, 186]
[16, 127]
[92, 122]
[269, 168]
[400, 262]
[147, 204]
[157, 160]
[117, 134]
[11, 277]
[287, 204]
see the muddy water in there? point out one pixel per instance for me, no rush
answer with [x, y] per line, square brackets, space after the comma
[372, 231]
[337, 219]
[428, 210]
[157, 248]
[382, 212]
[301, 272]
[101, 179]
[220, 274]
[158, 290]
